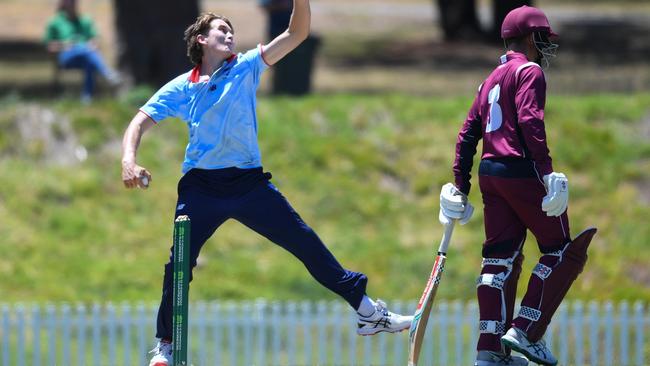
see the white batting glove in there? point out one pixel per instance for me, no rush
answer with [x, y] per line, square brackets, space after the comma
[557, 198]
[454, 205]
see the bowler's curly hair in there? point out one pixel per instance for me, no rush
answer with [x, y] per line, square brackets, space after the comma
[200, 26]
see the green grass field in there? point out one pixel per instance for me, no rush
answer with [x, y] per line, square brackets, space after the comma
[363, 171]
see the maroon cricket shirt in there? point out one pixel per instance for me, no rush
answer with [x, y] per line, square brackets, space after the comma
[508, 114]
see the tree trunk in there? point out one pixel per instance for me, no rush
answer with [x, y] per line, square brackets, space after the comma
[500, 9]
[150, 38]
[458, 19]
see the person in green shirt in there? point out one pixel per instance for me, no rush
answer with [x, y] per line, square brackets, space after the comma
[70, 36]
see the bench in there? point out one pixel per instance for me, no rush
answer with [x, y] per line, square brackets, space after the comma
[40, 74]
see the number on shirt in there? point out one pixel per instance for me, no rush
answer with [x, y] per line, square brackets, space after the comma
[495, 118]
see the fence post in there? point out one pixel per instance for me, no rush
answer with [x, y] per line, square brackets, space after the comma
[50, 314]
[639, 321]
[80, 311]
[624, 335]
[609, 330]
[140, 324]
[443, 321]
[306, 318]
[321, 310]
[260, 314]
[593, 336]
[458, 332]
[198, 318]
[291, 332]
[65, 330]
[337, 343]
[126, 333]
[277, 332]
[367, 349]
[36, 332]
[577, 331]
[20, 324]
[97, 326]
[352, 341]
[232, 332]
[398, 344]
[247, 323]
[110, 314]
[216, 315]
[473, 319]
[5, 334]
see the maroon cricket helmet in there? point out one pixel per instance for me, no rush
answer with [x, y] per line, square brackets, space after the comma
[525, 20]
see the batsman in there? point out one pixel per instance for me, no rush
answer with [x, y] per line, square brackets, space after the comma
[521, 191]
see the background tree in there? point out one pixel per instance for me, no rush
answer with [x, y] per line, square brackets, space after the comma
[151, 49]
[291, 75]
[459, 20]
[500, 9]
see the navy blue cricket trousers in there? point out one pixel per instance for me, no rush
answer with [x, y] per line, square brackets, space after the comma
[210, 197]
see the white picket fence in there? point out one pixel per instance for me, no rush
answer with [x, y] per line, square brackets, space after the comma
[263, 333]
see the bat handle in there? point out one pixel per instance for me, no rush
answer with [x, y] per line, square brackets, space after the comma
[446, 237]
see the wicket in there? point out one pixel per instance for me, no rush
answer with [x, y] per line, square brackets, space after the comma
[181, 254]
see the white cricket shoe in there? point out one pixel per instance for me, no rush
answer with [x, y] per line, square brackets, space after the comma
[489, 358]
[382, 320]
[537, 352]
[162, 354]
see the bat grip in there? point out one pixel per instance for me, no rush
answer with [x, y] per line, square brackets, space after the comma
[446, 237]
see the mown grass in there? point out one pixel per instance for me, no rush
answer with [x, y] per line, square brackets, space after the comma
[363, 171]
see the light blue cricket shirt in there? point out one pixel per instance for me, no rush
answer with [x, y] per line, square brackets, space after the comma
[220, 112]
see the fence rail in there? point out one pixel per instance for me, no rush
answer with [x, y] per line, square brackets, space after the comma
[262, 333]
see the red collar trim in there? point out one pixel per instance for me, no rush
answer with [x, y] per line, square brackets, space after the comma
[195, 75]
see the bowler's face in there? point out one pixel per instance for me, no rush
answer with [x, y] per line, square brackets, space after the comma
[220, 37]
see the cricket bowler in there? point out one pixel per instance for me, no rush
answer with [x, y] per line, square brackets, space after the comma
[222, 170]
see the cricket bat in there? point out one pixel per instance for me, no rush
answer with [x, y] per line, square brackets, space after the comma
[421, 316]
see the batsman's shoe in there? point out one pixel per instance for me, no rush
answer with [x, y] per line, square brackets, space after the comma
[537, 352]
[382, 320]
[489, 358]
[162, 354]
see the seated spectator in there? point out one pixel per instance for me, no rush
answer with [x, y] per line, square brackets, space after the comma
[70, 36]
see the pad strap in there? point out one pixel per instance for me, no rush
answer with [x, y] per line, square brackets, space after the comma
[542, 271]
[492, 327]
[506, 262]
[492, 280]
[557, 253]
[530, 313]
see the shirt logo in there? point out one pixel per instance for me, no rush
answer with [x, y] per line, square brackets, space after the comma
[180, 206]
